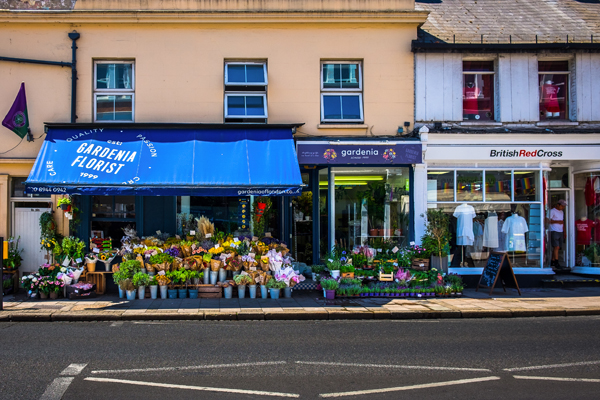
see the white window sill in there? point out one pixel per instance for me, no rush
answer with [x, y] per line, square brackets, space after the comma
[557, 123]
[342, 126]
[481, 123]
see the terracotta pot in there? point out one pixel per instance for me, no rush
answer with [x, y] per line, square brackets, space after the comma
[43, 296]
[372, 232]
[54, 295]
[379, 232]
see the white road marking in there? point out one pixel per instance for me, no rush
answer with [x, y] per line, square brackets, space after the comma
[73, 369]
[57, 388]
[117, 323]
[192, 367]
[552, 378]
[552, 366]
[201, 388]
[412, 387]
[394, 366]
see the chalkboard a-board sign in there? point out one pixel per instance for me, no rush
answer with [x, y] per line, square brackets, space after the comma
[498, 266]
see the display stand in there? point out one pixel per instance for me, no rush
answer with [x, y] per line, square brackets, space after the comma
[498, 266]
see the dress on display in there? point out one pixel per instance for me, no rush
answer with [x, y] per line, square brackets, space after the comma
[490, 232]
[464, 229]
[550, 97]
[515, 228]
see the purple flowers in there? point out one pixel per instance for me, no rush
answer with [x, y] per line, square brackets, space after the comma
[173, 252]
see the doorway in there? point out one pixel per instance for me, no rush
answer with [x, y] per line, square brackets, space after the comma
[26, 225]
[563, 253]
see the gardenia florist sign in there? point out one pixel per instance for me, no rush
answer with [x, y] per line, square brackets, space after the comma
[336, 153]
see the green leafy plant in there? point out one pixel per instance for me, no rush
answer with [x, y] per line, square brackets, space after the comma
[13, 258]
[140, 279]
[437, 234]
[275, 284]
[244, 280]
[346, 268]
[317, 269]
[161, 258]
[63, 201]
[153, 281]
[329, 284]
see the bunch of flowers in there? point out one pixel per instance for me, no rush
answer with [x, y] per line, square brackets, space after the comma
[49, 244]
[162, 280]
[173, 252]
[365, 251]
[419, 252]
[56, 285]
[330, 154]
[288, 276]
[106, 255]
[13, 258]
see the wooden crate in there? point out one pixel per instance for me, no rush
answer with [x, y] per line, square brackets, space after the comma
[209, 291]
[420, 264]
[98, 279]
[386, 277]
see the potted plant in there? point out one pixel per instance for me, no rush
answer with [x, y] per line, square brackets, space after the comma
[13, 258]
[241, 281]
[437, 237]
[275, 287]
[330, 286]
[316, 270]
[64, 204]
[172, 290]
[162, 281]
[140, 281]
[55, 288]
[127, 286]
[153, 283]
[180, 278]
[347, 271]
[193, 277]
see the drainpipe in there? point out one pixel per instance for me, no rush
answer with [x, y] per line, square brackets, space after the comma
[74, 36]
[73, 64]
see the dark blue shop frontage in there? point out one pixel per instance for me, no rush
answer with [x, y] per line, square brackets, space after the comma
[156, 178]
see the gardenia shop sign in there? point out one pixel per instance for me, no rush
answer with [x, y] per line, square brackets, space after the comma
[336, 153]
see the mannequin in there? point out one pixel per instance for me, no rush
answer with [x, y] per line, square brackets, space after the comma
[515, 227]
[464, 229]
[549, 99]
[490, 231]
[470, 100]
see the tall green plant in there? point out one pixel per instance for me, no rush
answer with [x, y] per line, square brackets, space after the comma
[437, 234]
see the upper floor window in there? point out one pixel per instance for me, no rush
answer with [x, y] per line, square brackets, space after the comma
[478, 90]
[114, 91]
[341, 92]
[246, 92]
[554, 89]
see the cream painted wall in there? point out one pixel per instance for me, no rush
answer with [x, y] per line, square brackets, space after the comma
[179, 70]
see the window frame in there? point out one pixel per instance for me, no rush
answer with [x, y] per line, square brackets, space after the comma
[245, 94]
[342, 91]
[113, 92]
[265, 75]
[568, 97]
[494, 99]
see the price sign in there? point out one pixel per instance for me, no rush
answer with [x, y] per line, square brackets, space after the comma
[67, 262]
[161, 272]
[267, 234]
[192, 233]
[96, 250]
[235, 239]
[252, 268]
[79, 260]
[158, 232]
[395, 250]
[208, 235]
[254, 239]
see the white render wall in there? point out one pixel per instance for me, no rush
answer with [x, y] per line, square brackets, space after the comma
[587, 84]
[518, 95]
[438, 87]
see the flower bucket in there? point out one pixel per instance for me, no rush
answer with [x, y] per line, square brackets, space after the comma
[142, 292]
[241, 291]
[222, 275]
[214, 275]
[252, 291]
[287, 292]
[144, 271]
[153, 292]
[207, 276]
[172, 293]
[163, 292]
[335, 274]
[131, 294]
[274, 293]
[264, 292]
[43, 296]
[53, 295]
[215, 265]
[330, 294]
[236, 273]
[228, 292]
[182, 293]
[91, 267]
[121, 293]
[193, 293]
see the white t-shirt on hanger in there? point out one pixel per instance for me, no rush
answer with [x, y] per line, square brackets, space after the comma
[490, 232]
[515, 228]
[464, 229]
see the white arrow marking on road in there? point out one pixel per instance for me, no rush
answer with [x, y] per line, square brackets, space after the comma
[57, 388]
[201, 388]
[192, 367]
[393, 366]
[552, 378]
[412, 387]
[552, 366]
[73, 369]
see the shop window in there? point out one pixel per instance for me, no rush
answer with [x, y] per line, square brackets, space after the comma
[246, 92]
[558, 177]
[587, 215]
[498, 185]
[440, 186]
[341, 92]
[17, 188]
[114, 91]
[478, 90]
[469, 185]
[554, 90]
[526, 183]
[371, 205]
[110, 214]
[302, 229]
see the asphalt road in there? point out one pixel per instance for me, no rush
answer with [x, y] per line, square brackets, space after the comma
[528, 358]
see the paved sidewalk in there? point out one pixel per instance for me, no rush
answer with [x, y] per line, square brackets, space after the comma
[535, 302]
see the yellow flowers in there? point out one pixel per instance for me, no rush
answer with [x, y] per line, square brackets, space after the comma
[162, 280]
[217, 250]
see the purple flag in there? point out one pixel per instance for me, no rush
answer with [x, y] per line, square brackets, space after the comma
[17, 119]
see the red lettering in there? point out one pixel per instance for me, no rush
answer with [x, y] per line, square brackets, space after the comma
[534, 153]
[522, 153]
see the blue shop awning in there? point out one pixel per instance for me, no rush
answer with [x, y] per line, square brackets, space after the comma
[167, 161]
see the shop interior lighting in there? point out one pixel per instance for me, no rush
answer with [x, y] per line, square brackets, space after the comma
[523, 172]
[344, 183]
[359, 178]
[438, 172]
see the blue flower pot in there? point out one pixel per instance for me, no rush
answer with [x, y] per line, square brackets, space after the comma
[172, 293]
[241, 291]
[193, 293]
[252, 291]
[131, 294]
[228, 292]
[182, 293]
[287, 292]
[274, 293]
[264, 292]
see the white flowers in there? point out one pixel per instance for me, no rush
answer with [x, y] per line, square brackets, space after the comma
[63, 269]
[34, 280]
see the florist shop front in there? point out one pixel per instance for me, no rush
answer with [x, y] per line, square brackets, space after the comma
[158, 178]
[361, 192]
